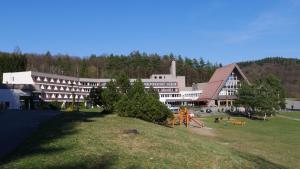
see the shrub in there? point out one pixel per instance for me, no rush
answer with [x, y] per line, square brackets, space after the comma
[142, 105]
[54, 105]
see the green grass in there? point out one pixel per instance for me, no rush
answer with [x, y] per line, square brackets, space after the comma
[291, 114]
[94, 140]
[276, 140]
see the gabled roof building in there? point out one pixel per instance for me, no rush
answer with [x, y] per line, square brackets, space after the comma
[223, 85]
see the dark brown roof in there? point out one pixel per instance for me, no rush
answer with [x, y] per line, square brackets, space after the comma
[217, 81]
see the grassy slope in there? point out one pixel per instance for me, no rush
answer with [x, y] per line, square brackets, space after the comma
[291, 114]
[276, 140]
[92, 140]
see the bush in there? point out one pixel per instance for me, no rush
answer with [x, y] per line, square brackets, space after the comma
[54, 105]
[43, 106]
[143, 105]
[70, 109]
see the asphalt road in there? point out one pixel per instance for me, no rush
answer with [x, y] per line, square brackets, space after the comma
[16, 125]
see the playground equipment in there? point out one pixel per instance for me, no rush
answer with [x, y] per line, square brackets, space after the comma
[238, 122]
[185, 118]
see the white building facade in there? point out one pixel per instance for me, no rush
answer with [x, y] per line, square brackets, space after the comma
[66, 89]
[220, 90]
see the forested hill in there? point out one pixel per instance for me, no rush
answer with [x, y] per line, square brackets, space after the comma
[134, 65]
[286, 69]
[142, 65]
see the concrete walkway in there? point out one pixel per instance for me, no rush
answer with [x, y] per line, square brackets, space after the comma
[16, 125]
[290, 118]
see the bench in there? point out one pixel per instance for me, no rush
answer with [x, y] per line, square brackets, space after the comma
[238, 122]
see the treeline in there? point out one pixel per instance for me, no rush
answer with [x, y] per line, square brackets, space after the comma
[134, 65]
[142, 65]
[12, 62]
[274, 60]
[286, 69]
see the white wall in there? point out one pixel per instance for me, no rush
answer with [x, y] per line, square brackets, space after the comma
[8, 95]
[193, 95]
[17, 78]
[294, 103]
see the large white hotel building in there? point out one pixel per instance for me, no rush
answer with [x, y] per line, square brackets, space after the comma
[220, 90]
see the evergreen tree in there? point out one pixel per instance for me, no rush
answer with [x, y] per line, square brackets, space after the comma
[246, 97]
[264, 97]
[143, 105]
[153, 92]
[95, 96]
[110, 96]
[278, 90]
[137, 88]
[123, 83]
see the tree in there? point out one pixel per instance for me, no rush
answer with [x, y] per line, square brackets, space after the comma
[137, 88]
[17, 50]
[12, 62]
[201, 62]
[264, 97]
[110, 96]
[153, 92]
[95, 96]
[141, 104]
[278, 90]
[246, 97]
[123, 83]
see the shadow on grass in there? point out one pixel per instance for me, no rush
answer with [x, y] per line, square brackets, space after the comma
[55, 128]
[260, 162]
[103, 162]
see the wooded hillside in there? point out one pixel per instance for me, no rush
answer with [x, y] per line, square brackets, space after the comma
[142, 65]
[134, 65]
[286, 69]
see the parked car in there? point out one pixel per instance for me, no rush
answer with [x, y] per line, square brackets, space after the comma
[174, 109]
[208, 111]
[192, 114]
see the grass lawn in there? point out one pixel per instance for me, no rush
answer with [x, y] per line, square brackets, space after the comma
[95, 140]
[276, 140]
[291, 114]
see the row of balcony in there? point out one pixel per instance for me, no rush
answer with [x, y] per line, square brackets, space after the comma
[49, 80]
[62, 96]
[63, 88]
[63, 81]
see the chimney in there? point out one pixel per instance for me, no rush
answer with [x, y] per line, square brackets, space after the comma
[173, 68]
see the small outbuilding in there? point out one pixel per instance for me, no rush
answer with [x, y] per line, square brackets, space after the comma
[18, 96]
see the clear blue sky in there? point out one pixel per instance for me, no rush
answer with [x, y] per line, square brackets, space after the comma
[220, 31]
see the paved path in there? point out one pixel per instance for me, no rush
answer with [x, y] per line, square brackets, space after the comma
[291, 118]
[16, 125]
